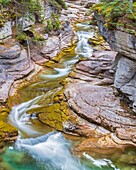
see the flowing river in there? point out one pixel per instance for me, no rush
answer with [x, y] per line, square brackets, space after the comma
[38, 148]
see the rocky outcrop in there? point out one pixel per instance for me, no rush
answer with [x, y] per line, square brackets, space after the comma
[15, 64]
[98, 104]
[125, 64]
[125, 78]
[55, 44]
[93, 97]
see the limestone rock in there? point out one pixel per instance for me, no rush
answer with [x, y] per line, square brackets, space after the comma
[51, 47]
[102, 146]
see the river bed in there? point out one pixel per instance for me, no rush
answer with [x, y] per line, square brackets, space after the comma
[41, 147]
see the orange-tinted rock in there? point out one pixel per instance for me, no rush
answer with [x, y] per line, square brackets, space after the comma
[103, 146]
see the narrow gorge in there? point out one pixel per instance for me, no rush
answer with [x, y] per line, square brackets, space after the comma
[67, 91]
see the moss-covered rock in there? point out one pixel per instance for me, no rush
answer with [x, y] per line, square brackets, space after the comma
[5, 128]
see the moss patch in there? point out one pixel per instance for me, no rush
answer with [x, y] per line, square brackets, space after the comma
[55, 115]
[5, 128]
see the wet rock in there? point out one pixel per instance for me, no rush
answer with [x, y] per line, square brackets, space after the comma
[1, 147]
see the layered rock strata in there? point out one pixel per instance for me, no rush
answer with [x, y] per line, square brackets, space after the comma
[125, 63]
[15, 64]
[93, 97]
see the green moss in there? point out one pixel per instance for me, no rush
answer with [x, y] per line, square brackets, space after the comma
[62, 3]
[22, 36]
[4, 126]
[58, 3]
[55, 115]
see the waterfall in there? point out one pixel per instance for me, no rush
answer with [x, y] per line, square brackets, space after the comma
[83, 49]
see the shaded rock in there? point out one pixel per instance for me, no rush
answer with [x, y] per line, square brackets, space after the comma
[126, 69]
[89, 3]
[125, 77]
[119, 41]
[125, 62]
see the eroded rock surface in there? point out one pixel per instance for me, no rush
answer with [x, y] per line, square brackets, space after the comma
[98, 104]
[15, 64]
[125, 44]
[93, 97]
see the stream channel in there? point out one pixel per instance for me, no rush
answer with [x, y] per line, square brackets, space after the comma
[41, 147]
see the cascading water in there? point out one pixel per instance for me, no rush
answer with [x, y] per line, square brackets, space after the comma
[51, 151]
[83, 49]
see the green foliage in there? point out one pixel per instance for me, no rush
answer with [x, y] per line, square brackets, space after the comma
[22, 37]
[4, 17]
[62, 3]
[53, 23]
[117, 12]
[4, 2]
